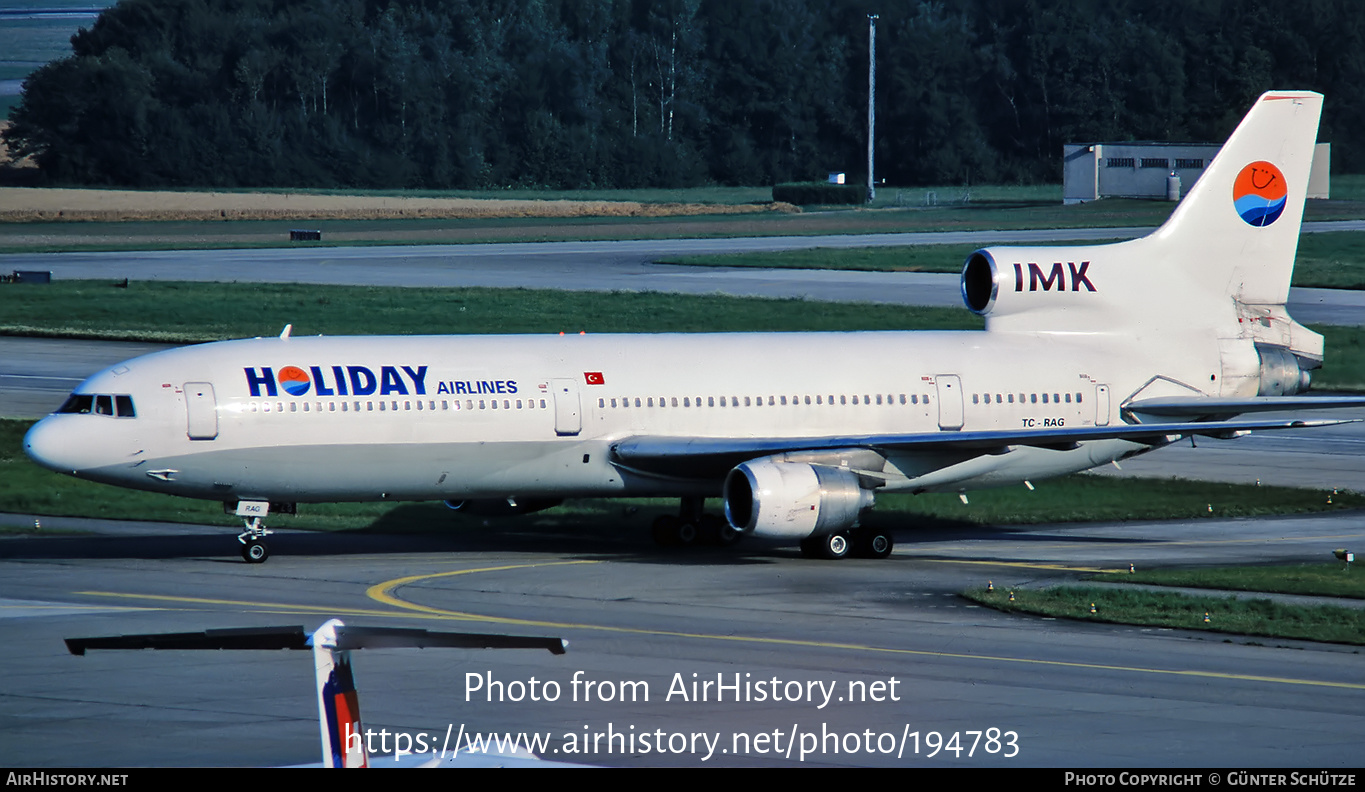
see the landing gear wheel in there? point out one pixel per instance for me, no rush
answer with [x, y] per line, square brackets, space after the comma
[715, 530]
[686, 534]
[872, 543]
[255, 552]
[665, 530]
[835, 546]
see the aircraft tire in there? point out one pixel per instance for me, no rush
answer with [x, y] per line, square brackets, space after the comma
[835, 546]
[255, 552]
[665, 530]
[717, 530]
[872, 543]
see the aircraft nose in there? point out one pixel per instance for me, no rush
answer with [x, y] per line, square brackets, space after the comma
[52, 444]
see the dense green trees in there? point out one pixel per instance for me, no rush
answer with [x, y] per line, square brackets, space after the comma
[621, 93]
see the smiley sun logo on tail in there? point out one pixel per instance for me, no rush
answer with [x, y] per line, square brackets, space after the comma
[1259, 194]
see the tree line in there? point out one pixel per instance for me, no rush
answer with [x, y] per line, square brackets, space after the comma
[632, 93]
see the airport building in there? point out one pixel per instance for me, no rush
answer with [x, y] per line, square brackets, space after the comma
[1091, 171]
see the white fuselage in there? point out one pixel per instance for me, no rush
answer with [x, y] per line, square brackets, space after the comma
[469, 417]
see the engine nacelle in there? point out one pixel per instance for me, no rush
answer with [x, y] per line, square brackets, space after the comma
[1282, 373]
[502, 507]
[1056, 288]
[793, 500]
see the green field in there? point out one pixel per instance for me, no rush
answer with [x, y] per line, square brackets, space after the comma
[1258, 617]
[1334, 260]
[1326, 579]
[27, 489]
[194, 312]
[190, 312]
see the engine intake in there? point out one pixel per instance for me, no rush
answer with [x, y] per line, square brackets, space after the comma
[793, 500]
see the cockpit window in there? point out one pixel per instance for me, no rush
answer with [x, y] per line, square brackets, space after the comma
[99, 404]
[80, 403]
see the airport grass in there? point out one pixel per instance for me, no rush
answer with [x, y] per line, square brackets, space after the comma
[1344, 369]
[1324, 579]
[903, 210]
[1331, 260]
[195, 312]
[171, 312]
[1254, 617]
[26, 488]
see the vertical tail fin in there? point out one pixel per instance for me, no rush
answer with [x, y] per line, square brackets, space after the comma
[1237, 231]
[343, 743]
[1219, 266]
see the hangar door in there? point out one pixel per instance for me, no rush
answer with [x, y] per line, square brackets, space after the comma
[201, 408]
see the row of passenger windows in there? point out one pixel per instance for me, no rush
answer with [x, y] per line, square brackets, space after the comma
[125, 402]
[759, 401]
[1024, 398]
[120, 406]
[397, 406]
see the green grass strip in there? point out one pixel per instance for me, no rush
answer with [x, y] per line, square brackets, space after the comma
[189, 312]
[1326, 579]
[1333, 260]
[1258, 617]
[26, 488]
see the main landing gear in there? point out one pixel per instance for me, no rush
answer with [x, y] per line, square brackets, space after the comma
[856, 542]
[693, 526]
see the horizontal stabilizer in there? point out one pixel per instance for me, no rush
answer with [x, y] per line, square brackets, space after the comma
[401, 637]
[297, 638]
[245, 638]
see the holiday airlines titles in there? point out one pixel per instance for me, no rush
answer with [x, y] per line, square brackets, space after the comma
[264, 381]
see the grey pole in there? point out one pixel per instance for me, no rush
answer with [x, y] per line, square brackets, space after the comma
[871, 97]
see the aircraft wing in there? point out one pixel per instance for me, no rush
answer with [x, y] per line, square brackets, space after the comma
[1203, 407]
[712, 457]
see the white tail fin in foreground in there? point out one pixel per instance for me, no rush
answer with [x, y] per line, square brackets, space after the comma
[343, 741]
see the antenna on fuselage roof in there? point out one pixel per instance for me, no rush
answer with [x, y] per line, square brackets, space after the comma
[285, 332]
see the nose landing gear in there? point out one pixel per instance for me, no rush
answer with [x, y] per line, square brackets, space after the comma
[254, 550]
[252, 539]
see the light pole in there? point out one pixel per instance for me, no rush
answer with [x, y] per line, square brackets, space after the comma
[871, 97]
